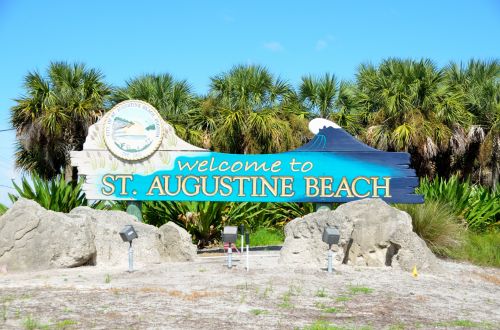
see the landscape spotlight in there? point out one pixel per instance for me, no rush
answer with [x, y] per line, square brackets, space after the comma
[128, 234]
[330, 236]
[229, 236]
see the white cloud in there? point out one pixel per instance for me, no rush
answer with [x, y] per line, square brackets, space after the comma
[274, 46]
[324, 42]
[321, 44]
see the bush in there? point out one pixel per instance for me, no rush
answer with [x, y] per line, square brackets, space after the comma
[436, 224]
[55, 195]
[204, 220]
[477, 205]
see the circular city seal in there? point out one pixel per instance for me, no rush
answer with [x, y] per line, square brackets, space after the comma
[132, 130]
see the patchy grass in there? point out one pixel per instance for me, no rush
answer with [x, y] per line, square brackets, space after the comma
[327, 309]
[4, 312]
[107, 279]
[30, 323]
[324, 325]
[258, 311]
[267, 291]
[466, 324]
[332, 310]
[264, 237]
[342, 299]
[64, 324]
[321, 293]
[286, 300]
[360, 289]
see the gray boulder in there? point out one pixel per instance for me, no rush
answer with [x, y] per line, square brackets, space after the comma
[303, 246]
[33, 238]
[177, 243]
[111, 250]
[372, 234]
[383, 236]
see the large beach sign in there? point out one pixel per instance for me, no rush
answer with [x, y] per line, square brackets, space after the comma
[132, 154]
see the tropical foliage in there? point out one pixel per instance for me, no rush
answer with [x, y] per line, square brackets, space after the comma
[477, 206]
[55, 194]
[255, 112]
[3, 209]
[447, 118]
[53, 116]
[204, 220]
[172, 98]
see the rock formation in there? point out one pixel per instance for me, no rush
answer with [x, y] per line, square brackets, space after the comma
[372, 233]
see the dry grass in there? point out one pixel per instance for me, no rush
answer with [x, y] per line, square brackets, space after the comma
[193, 296]
[489, 278]
[153, 289]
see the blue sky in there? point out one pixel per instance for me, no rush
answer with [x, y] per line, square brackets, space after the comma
[195, 40]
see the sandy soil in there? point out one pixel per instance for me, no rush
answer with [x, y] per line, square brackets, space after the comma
[206, 295]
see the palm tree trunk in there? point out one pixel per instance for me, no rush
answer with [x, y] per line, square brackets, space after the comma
[70, 174]
[495, 166]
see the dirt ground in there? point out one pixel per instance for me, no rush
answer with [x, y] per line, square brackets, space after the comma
[206, 295]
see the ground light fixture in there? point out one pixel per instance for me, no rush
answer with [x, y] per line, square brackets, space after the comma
[330, 236]
[229, 235]
[128, 234]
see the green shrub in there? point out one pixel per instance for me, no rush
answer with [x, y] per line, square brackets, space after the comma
[269, 215]
[477, 205]
[252, 215]
[56, 194]
[204, 220]
[481, 249]
[282, 213]
[436, 224]
[3, 209]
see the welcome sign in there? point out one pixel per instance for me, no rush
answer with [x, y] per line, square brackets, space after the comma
[132, 154]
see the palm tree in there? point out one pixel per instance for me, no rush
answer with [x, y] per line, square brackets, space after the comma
[256, 113]
[319, 94]
[53, 117]
[479, 81]
[408, 107]
[173, 99]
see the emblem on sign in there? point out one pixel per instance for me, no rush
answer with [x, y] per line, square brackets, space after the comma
[132, 130]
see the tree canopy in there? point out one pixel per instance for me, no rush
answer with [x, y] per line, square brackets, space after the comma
[447, 118]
